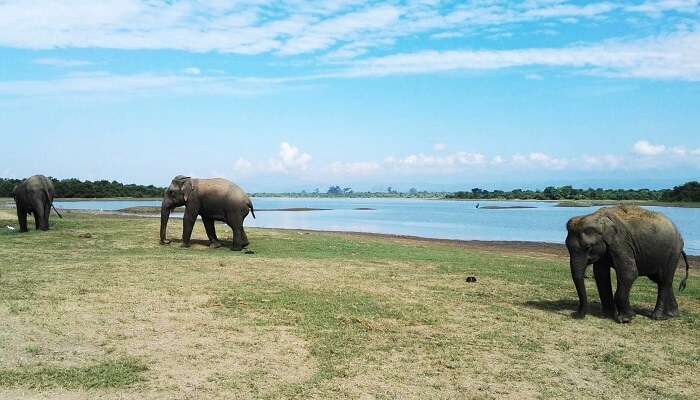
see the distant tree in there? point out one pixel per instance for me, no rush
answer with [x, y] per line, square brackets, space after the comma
[335, 190]
[98, 189]
[679, 193]
[689, 191]
[413, 191]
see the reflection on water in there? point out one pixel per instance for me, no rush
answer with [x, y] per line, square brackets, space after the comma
[428, 218]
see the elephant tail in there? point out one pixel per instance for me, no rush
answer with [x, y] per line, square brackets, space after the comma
[684, 280]
[252, 210]
[48, 198]
[57, 213]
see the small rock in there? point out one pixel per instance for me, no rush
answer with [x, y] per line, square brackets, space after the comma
[85, 235]
[249, 252]
[471, 279]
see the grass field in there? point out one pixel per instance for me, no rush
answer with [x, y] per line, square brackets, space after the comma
[114, 315]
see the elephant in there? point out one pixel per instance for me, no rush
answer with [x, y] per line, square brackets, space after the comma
[633, 241]
[214, 199]
[34, 196]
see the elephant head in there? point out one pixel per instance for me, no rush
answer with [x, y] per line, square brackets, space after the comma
[588, 240]
[176, 195]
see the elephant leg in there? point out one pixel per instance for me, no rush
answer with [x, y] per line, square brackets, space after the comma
[45, 220]
[244, 238]
[659, 307]
[670, 305]
[601, 272]
[22, 217]
[235, 221]
[188, 221]
[625, 279]
[666, 305]
[211, 233]
[39, 212]
[39, 219]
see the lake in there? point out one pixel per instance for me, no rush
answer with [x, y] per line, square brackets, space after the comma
[441, 219]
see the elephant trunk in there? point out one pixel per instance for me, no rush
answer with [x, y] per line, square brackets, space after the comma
[164, 216]
[578, 270]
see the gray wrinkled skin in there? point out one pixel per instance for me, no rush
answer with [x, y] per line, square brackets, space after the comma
[214, 199]
[633, 241]
[34, 196]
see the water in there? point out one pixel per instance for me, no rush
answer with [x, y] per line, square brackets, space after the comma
[427, 218]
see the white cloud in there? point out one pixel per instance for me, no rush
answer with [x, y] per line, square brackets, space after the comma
[439, 146]
[644, 148]
[657, 7]
[678, 151]
[243, 166]
[446, 35]
[104, 83]
[289, 160]
[328, 32]
[568, 10]
[292, 158]
[61, 62]
[602, 162]
[675, 56]
[192, 71]
[533, 77]
[362, 168]
[421, 163]
[539, 160]
[296, 27]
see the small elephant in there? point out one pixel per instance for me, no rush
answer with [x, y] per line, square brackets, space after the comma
[634, 242]
[34, 196]
[214, 200]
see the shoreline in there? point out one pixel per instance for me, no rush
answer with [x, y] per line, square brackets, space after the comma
[523, 247]
[559, 203]
[514, 246]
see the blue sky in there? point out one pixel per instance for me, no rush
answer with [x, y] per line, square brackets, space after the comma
[297, 95]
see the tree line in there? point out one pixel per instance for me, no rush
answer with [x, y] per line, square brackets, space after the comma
[75, 188]
[689, 191]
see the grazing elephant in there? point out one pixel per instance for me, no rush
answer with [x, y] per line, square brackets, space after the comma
[35, 196]
[214, 200]
[634, 242]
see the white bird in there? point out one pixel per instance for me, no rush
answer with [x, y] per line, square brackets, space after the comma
[12, 228]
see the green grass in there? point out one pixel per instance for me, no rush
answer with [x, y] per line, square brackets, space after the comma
[318, 315]
[339, 325]
[110, 374]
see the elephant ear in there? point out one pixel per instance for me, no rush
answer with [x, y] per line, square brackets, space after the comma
[610, 230]
[573, 224]
[590, 236]
[187, 189]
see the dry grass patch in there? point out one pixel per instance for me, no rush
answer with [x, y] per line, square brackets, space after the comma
[316, 315]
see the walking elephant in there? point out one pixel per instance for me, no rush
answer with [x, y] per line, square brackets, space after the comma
[214, 200]
[34, 196]
[633, 241]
